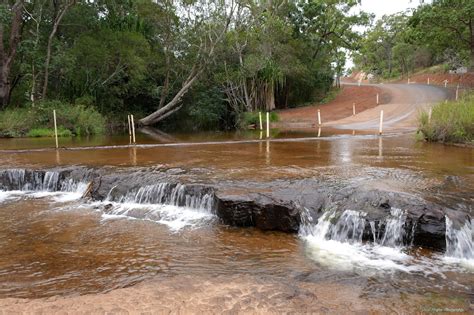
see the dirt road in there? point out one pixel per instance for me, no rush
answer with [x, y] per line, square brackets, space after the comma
[401, 104]
[400, 113]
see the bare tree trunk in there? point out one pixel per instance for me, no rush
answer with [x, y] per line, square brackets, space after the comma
[170, 108]
[57, 20]
[7, 57]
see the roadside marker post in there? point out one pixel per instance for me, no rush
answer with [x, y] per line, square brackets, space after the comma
[268, 125]
[129, 129]
[381, 123]
[319, 117]
[260, 120]
[408, 81]
[430, 112]
[377, 98]
[133, 129]
[428, 81]
[55, 129]
[353, 109]
[457, 92]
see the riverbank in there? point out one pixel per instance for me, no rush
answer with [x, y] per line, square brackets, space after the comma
[195, 294]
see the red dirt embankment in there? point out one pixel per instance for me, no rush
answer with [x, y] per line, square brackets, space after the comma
[464, 80]
[364, 97]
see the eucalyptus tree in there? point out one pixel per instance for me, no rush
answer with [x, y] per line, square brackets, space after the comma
[444, 25]
[10, 35]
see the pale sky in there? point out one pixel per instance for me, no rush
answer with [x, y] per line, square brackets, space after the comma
[384, 7]
[381, 7]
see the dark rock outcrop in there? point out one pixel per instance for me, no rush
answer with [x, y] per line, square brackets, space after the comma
[277, 205]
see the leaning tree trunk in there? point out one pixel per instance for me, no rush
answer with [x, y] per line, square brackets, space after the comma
[175, 104]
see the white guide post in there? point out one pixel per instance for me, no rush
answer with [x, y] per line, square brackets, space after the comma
[260, 120]
[319, 117]
[430, 112]
[55, 129]
[268, 125]
[353, 109]
[133, 129]
[381, 122]
[377, 98]
[129, 129]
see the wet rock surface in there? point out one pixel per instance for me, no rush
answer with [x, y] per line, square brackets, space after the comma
[278, 205]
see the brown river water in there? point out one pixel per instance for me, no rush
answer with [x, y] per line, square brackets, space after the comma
[53, 244]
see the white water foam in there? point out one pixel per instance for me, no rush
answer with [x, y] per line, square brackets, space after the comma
[176, 218]
[9, 195]
[339, 245]
[75, 193]
[460, 244]
[336, 243]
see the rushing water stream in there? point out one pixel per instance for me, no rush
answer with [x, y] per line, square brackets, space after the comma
[54, 242]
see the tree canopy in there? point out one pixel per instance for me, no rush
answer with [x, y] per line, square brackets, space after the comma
[441, 31]
[207, 61]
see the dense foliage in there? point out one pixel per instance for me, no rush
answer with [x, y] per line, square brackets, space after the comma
[197, 63]
[439, 31]
[78, 119]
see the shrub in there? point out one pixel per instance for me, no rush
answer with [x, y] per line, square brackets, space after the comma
[16, 122]
[450, 122]
[252, 118]
[38, 121]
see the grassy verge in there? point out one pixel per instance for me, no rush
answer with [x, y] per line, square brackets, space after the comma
[46, 132]
[450, 122]
[72, 120]
[331, 95]
[252, 118]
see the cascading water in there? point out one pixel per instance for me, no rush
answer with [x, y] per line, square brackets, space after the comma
[174, 205]
[394, 229]
[169, 194]
[349, 228]
[460, 241]
[28, 181]
[15, 183]
[337, 241]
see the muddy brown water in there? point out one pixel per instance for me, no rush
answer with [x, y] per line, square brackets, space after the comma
[52, 247]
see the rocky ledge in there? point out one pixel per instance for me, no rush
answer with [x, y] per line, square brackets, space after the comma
[278, 205]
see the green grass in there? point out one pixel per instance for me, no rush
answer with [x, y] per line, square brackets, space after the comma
[46, 132]
[252, 118]
[73, 119]
[331, 95]
[450, 122]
